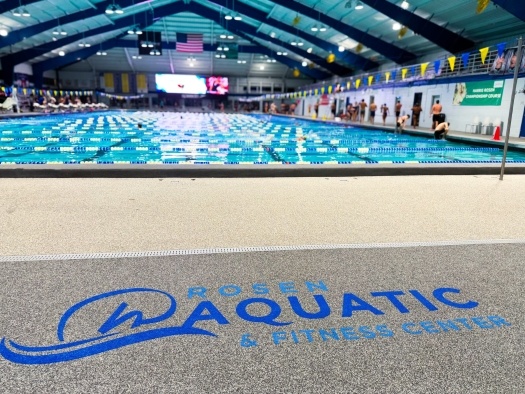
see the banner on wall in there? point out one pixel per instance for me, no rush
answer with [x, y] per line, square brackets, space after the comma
[481, 93]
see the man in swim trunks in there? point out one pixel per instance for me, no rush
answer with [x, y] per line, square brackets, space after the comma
[441, 130]
[373, 109]
[384, 110]
[362, 110]
[416, 111]
[398, 109]
[434, 112]
[400, 125]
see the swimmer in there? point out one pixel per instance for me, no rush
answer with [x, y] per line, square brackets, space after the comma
[401, 123]
[441, 131]
[301, 138]
[139, 125]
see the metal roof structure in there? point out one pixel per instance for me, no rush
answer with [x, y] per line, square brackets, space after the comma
[274, 36]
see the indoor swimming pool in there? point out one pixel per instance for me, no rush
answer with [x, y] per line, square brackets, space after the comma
[215, 138]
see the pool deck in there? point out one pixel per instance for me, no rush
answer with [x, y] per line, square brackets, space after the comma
[278, 169]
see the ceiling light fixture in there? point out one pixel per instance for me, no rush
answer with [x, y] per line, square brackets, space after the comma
[304, 63]
[341, 48]
[228, 17]
[396, 26]
[405, 5]
[222, 36]
[3, 32]
[359, 5]
[314, 28]
[237, 17]
[309, 50]
[114, 9]
[323, 28]
[231, 37]
[61, 53]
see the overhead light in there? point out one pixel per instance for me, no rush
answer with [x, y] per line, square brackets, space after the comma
[223, 56]
[228, 17]
[226, 49]
[314, 28]
[104, 53]
[17, 12]
[268, 60]
[396, 26]
[349, 4]
[272, 34]
[222, 36]
[294, 43]
[341, 48]
[21, 11]
[323, 28]
[114, 9]
[217, 55]
[279, 53]
[219, 48]
[25, 12]
[359, 5]
[61, 53]
[101, 53]
[230, 37]
[191, 64]
[405, 5]
[261, 67]
[135, 30]
[59, 32]
[285, 53]
[237, 17]
[309, 50]
[3, 32]
[273, 60]
[304, 63]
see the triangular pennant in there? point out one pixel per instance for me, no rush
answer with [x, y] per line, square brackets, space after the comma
[357, 83]
[437, 66]
[484, 52]
[501, 48]
[330, 88]
[370, 80]
[404, 73]
[464, 58]
[424, 68]
[452, 62]
[387, 76]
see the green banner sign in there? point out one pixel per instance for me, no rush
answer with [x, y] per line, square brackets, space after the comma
[482, 93]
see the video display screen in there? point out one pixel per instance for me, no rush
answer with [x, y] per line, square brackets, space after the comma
[217, 85]
[178, 83]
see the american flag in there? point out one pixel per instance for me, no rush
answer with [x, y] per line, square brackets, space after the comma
[191, 43]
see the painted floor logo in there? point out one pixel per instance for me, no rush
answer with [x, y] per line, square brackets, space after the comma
[126, 326]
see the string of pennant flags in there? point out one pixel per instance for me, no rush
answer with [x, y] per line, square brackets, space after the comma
[387, 76]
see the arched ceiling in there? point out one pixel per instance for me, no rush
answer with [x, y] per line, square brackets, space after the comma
[268, 27]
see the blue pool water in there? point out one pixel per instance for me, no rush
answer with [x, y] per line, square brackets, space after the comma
[183, 138]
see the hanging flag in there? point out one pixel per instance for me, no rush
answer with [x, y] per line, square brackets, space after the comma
[357, 83]
[387, 75]
[404, 73]
[370, 80]
[437, 66]
[330, 88]
[191, 43]
[413, 70]
[348, 85]
[316, 92]
[452, 62]
[424, 68]
[394, 74]
[484, 52]
[501, 48]
[464, 58]
[322, 90]
[125, 82]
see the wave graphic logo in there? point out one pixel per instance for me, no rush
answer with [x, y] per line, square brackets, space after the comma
[108, 338]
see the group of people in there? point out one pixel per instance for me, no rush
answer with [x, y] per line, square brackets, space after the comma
[439, 126]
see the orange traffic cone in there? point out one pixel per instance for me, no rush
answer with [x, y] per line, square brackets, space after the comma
[497, 134]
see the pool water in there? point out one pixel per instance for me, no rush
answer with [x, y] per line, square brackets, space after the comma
[203, 138]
